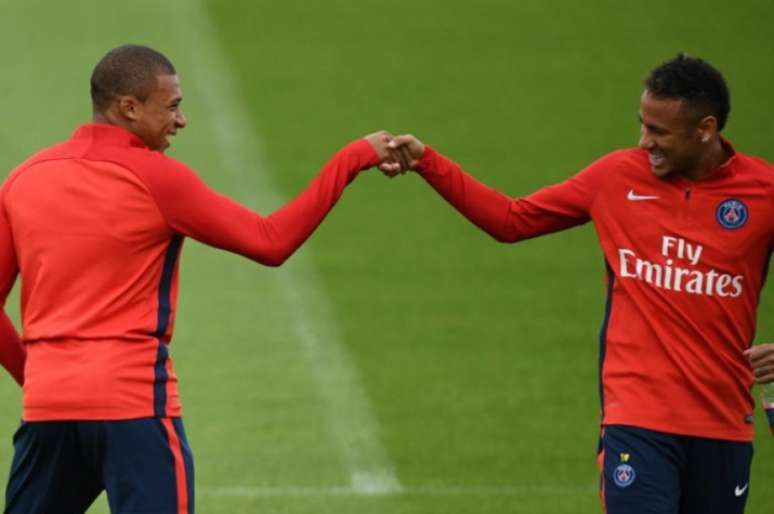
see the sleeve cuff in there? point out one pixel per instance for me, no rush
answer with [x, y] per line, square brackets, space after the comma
[426, 163]
[365, 152]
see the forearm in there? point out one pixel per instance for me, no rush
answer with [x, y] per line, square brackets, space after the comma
[504, 218]
[192, 209]
[291, 225]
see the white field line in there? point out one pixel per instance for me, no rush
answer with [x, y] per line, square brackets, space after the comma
[350, 421]
[246, 492]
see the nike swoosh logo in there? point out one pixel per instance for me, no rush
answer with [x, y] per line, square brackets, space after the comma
[635, 197]
[739, 491]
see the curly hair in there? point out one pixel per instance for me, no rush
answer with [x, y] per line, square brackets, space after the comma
[127, 70]
[695, 81]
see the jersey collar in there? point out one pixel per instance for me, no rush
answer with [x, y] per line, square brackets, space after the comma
[724, 170]
[105, 133]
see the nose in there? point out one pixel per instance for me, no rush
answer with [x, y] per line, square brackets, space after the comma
[181, 121]
[646, 142]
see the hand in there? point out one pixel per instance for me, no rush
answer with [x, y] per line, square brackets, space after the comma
[411, 150]
[392, 160]
[761, 357]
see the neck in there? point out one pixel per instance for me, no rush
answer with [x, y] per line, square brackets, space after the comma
[109, 117]
[715, 155]
[98, 117]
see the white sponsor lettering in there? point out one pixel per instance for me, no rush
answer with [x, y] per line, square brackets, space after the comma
[671, 275]
[622, 254]
[682, 249]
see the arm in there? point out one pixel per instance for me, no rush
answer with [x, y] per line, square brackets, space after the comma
[506, 219]
[12, 351]
[193, 209]
[761, 358]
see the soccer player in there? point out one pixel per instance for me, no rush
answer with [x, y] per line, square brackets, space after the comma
[94, 226]
[686, 225]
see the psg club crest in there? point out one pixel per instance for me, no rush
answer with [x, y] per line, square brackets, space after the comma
[731, 214]
[624, 475]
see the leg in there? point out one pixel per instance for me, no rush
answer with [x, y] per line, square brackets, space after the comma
[717, 480]
[50, 473]
[640, 471]
[148, 467]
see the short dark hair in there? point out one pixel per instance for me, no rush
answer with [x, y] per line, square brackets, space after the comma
[697, 82]
[127, 70]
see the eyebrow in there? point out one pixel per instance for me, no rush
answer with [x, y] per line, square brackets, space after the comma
[651, 126]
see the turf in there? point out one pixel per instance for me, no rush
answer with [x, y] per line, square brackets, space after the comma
[477, 360]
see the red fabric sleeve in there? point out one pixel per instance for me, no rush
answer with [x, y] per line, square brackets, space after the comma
[12, 351]
[550, 209]
[193, 209]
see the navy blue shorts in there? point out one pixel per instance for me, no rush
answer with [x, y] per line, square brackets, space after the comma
[649, 472]
[60, 467]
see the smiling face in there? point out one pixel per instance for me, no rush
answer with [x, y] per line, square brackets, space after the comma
[674, 139]
[158, 117]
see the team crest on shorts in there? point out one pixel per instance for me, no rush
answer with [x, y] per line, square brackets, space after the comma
[731, 214]
[624, 475]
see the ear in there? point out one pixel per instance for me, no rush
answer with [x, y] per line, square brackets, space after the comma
[707, 128]
[129, 107]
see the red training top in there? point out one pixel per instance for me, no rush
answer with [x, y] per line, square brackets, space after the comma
[94, 226]
[685, 265]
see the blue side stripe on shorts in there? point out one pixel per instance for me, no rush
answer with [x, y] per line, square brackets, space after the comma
[188, 460]
[164, 312]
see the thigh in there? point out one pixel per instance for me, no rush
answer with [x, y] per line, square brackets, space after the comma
[53, 469]
[148, 467]
[640, 471]
[717, 479]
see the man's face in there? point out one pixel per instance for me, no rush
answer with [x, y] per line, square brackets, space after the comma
[670, 134]
[159, 116]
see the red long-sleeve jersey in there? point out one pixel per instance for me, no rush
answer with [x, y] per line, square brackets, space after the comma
[685, 265]
[94, 227]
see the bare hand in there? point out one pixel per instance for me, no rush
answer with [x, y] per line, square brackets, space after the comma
[411, 149]
[392, 160]
[761, 357]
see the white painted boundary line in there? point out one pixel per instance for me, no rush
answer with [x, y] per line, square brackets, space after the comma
[430, 490]
[351, 424]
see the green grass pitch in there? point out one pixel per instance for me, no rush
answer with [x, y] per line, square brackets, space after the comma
[400, 340]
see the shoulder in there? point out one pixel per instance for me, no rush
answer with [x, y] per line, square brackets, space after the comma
[137, 159]
[753, 163]
[163, 176]
[755, 168]
[626, 157]
[153, 168]
[157, 162]
[616, 162]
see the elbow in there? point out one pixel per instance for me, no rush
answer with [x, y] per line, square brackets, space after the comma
[274, 259]
[272, 262]
[499, 233]
[505, 237]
